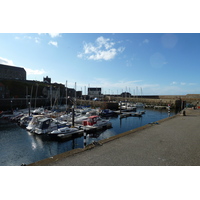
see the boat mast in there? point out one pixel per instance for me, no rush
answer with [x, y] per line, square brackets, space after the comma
[75, 97]
[66, 95]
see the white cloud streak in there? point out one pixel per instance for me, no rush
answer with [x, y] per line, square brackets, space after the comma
[53, 43]
[6, 61]
[182, 83]
[146, 41]
[34, 72]
[53, 35]
[102, 49]
[28, 70]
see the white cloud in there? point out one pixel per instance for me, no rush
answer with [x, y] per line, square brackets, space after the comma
[121, 49]
[6, 61]
[53, 35]
[53, 43]
[174, 83]
[182, 83]
[192, 83]
[101, 41]
[37, 40]
[157, 60]
[102, 49]
[103, 55]
[28, 70]
[146, 41]
[28, 37]
[35, 72]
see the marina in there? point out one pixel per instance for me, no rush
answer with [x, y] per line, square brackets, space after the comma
[19, 145]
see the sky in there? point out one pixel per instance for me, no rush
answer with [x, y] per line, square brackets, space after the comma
[142, 47]
[139, 63]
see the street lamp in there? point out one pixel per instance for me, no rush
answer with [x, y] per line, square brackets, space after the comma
[11, 106]
[29, 108]
[72, 111]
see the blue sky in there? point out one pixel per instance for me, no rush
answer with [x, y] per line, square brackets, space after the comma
[147, 63]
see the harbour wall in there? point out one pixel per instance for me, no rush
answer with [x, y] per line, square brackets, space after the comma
[110, 102]
[113, 102]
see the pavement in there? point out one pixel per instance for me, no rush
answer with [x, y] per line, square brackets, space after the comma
[174, 141]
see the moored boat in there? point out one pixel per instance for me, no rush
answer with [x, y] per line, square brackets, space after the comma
[95, 122]
[107, 113]
[46, 125]
[64, 132]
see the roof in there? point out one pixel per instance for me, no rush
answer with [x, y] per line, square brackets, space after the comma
[93, 116]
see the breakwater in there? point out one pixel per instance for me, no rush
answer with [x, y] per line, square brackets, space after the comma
[109, 101]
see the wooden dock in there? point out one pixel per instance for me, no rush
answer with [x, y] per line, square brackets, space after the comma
[160, 107]
[69, 136]
[131, 114]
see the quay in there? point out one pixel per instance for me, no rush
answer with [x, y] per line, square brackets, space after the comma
[173, 141]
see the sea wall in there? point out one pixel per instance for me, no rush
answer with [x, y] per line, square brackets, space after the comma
[110, 102]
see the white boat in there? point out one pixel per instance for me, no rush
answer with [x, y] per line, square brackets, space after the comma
[128, 107]
[139, 105]
[96, 123]
[38, 111]
[33, 123]
[64, 130]
[80, 119]
[25, 120]
[46, 125]
[107, 113]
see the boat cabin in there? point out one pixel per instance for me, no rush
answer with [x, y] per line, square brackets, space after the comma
[91, 120]
[44, 123]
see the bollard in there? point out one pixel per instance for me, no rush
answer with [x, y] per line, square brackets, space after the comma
[168, 110]
[84, 140]
[184, 113]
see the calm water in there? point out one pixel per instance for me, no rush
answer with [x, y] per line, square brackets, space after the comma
[18, 146]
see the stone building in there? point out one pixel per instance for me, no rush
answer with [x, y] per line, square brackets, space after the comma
[2, 90]
[11, 72]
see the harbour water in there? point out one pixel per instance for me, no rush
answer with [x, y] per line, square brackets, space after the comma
[18, 146]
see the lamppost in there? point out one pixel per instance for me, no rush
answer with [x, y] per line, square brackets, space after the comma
[29, 108]
[72, 111]
[11, 106]
[73, 116]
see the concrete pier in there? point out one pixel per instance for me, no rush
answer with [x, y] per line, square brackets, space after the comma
[170, 142]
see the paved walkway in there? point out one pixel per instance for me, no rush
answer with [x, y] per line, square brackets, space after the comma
[173, 142]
